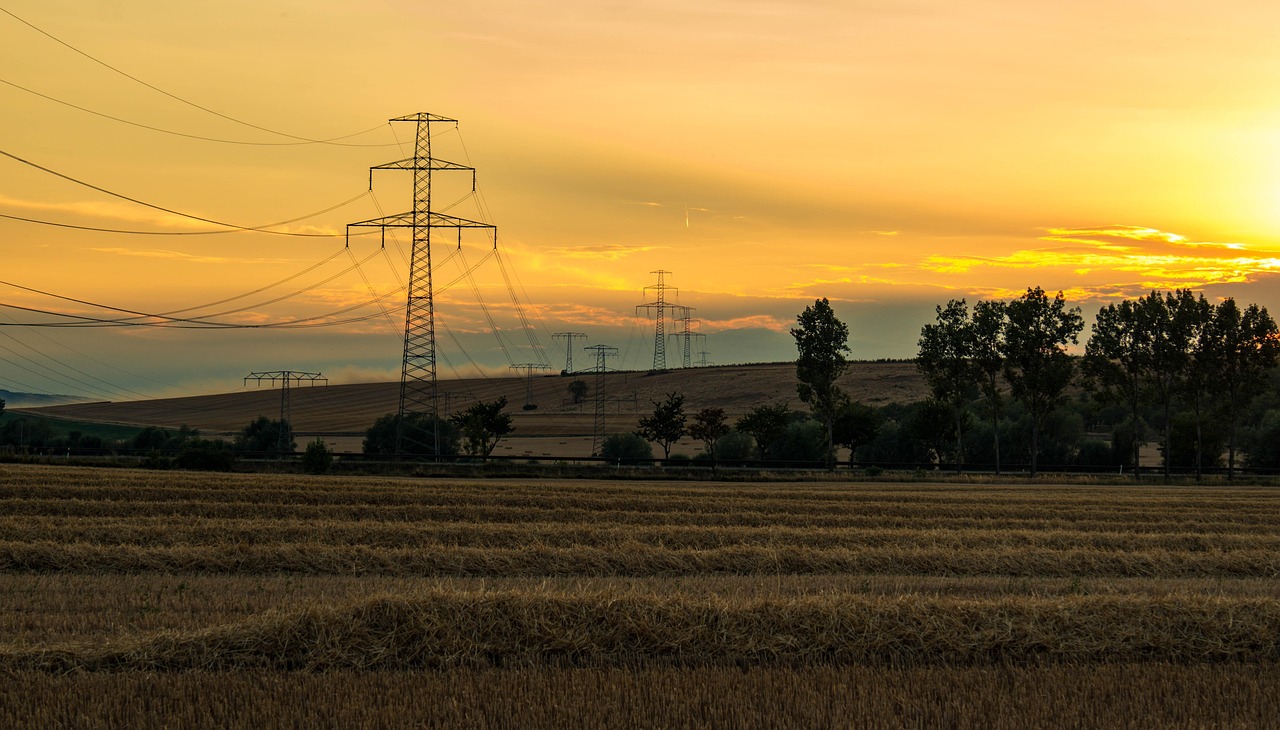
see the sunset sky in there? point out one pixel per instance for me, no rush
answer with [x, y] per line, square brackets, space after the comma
[887, 155]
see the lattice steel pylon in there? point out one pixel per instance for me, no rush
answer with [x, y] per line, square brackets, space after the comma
[603, 353]
[568, 338]
[286, 378]
[660, 306]
[686, 321]
[418, 394]
[529, 368]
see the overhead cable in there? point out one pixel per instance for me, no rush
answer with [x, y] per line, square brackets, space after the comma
[304, 140]
[259, 229]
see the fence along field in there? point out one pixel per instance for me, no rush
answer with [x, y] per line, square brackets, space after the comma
[473, 585]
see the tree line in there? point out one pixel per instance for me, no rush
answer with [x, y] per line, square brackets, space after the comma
[1003, 387]
[1168, 359]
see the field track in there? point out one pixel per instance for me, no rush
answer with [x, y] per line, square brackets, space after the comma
[1004, 589]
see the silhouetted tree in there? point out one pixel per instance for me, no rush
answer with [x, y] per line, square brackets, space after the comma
[418, 429]
[855, 424]
[1247, 346]
[317, 458]
[1037, 365]
[821, 341]
[765, 424]
[483, 425]
[709, 426]
[264, 434]
[626, 448]
[1199, 378]
[665, 425]
[1116, 359]
[578, 390]
[944, 359]
[988, 325]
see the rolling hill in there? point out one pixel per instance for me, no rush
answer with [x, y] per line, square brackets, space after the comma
[557, 426]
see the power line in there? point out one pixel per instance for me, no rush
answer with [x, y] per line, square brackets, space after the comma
[176, 133]
[259, 229]
[305, 140]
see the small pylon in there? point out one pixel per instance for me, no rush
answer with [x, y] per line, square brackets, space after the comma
[603, 353]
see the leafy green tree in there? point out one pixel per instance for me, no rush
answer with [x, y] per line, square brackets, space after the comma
[988, 325]
[1246, 346]
[765, 424]
[709, 426]
[1037, 364]
[264, 434]
[1116, 360]
[666, 425]
[626, 448]
[944, 358]
[578, 390]
[821, 342]
[417, 428]
[483, 425]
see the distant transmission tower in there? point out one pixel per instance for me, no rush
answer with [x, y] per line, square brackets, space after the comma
[603, 353]
[285, 378]
[418, 394]
[659, 306]
[686, 322]
[529, 367]
[702, 354]
[568, 338]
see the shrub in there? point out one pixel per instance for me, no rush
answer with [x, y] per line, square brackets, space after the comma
[317, 458]
[206, 455]
[626, 448]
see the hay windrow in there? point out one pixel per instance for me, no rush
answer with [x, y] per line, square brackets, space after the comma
[439, 629]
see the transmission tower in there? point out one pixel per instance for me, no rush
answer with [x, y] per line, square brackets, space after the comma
[686, 323]
[603, 353]
[286, 378]
[702, 354]
[418, 394]
[568, 338]
[529, 367]
[659, 306]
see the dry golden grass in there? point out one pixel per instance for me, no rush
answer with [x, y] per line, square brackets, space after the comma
[995, 698]
[535, 627]
[674, 604]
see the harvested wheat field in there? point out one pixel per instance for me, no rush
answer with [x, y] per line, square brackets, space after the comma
[167, 599]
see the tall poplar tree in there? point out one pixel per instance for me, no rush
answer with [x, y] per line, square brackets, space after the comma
[1037, 365]
[1116, 360]
[944, 359]
[1247, 345]
[821, 342]
[988, 360]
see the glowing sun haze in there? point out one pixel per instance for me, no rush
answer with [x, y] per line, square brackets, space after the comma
[886, 155]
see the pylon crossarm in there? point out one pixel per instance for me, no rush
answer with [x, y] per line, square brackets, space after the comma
[423, 117]
[434, 220]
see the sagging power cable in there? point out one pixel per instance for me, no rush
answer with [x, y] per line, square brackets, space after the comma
[259, 229]
[299, 139]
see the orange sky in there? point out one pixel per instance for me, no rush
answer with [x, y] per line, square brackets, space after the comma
[887, 155]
